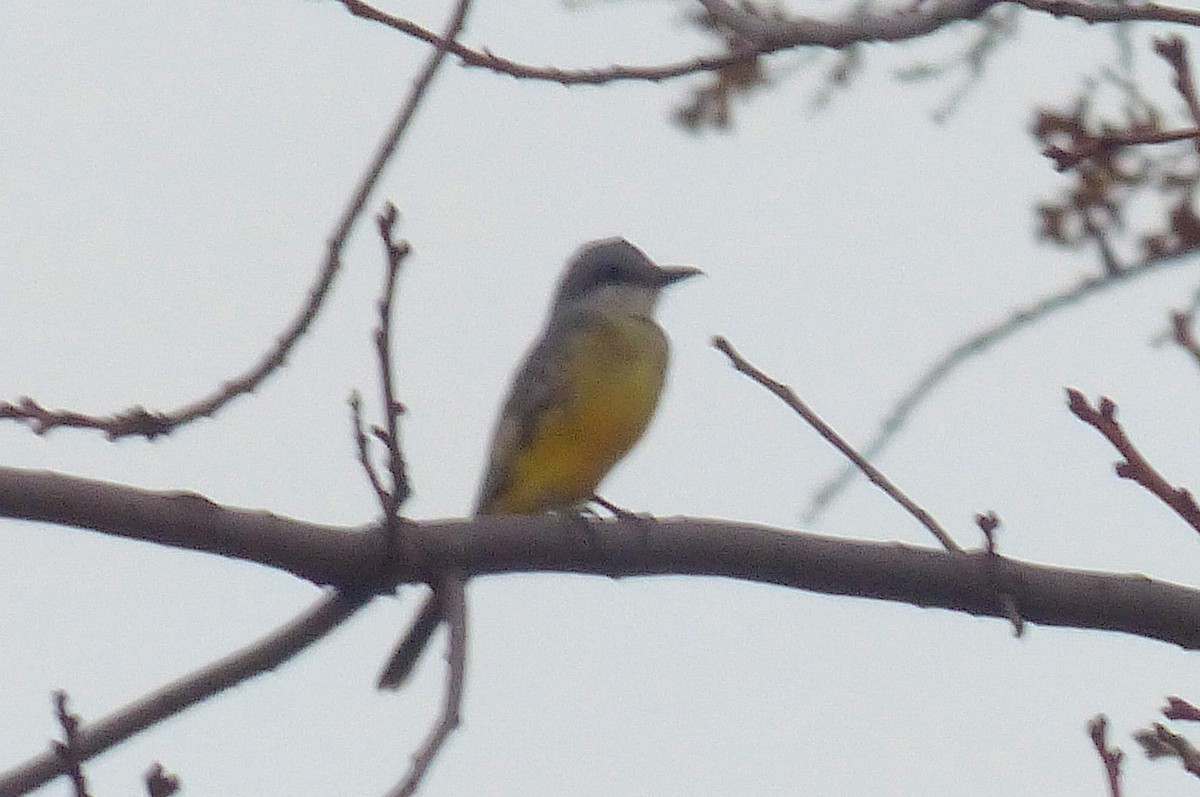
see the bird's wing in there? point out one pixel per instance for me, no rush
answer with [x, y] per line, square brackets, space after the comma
[539, 383]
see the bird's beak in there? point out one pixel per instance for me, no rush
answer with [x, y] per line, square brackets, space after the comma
[672, 274]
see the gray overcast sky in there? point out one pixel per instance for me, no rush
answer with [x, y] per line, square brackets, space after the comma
[171, 172]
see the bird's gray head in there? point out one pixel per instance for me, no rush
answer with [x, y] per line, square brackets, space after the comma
[614, 272]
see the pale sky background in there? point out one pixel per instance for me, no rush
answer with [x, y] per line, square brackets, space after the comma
[171, 172]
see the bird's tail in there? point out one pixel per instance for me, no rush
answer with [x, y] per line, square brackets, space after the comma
[401, 664]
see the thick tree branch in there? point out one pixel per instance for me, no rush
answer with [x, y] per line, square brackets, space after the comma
[973, 583]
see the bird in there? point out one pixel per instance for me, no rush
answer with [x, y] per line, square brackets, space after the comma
[583, 397]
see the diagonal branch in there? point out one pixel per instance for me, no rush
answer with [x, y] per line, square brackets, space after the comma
[1181, 333]
[140, 422]
[1174, 51]
[1158, 741]
[1134, 466]
[451, 598]
[876, 477]
[267, 654]
[1110, 757]
[972, 347]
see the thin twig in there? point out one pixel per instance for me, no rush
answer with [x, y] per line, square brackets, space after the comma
[1179, 709]
[1091, 146]
[138, 421]
[68, 750]
[159, 782]
[487, 60]
[1134, 466]
[1116, 12]
[266, 654]
[451, 589]
[450, 592]
[974, 346]
[1174, 51]
[877, 478]
[1110, 757]
[1160, 742]
[988, 523]
[1181, 333]
[777, 33]
[1063, 597]
[362, 445]
[396, 252]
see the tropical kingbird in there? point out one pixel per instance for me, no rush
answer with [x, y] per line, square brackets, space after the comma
[584, 395]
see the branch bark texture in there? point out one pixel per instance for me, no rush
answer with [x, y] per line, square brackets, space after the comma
[356, 560]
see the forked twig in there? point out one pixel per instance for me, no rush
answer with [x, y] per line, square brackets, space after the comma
[68, 750]
[1110, 757]
[1134, 466]
[1158, 741]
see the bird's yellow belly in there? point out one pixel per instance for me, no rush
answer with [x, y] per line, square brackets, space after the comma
[616, 375]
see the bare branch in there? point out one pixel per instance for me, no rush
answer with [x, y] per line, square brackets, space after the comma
[1110, 757]
[1181, 333]
[138, 421]
[974, 346]
[988, 523]
[1160, 742]
[451, 598]
[788, 396]
[396, 252]
[1087, 146]
[759, 34]
[264, 655]
[1134, 466]
[1115, 12]
[1179, 709]
[1174, 51]
[971, 583]
[1092, 146]
[567, 77]
[159, 782]
[363, 446]
[68, 751]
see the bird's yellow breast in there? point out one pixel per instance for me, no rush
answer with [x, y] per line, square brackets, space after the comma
[613, 375]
